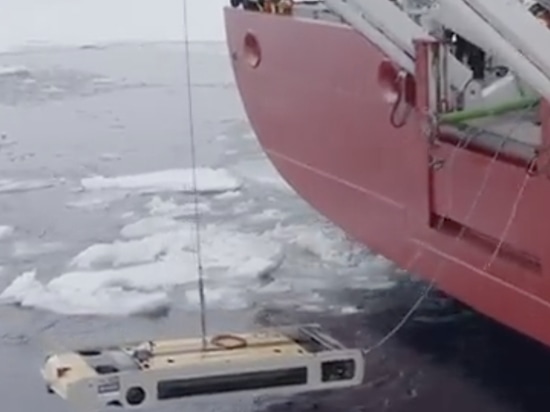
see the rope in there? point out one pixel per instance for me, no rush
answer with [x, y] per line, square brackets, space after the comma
[461, 233]
[196, 211]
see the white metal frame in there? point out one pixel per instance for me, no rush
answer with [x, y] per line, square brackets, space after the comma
[74, 378]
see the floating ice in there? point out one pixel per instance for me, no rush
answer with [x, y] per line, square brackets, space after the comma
[26, 249]
[136, 275]
[96, 201]
[244, 207]
[71, 296]
[176, 180]
[158, 206]
[5, 231]
[348, 310]
[14, 71]
[374, 273]
[268, 214]
[223, 249]
[262, 171]
[324, 242]
[13, 186]
[276, 182]
[121, 253]
[150, 226]
[143, 271]
[230, 298]
[353, 266]
[228, 195]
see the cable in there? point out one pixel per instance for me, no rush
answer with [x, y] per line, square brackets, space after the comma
[196, 212]
[462, 231]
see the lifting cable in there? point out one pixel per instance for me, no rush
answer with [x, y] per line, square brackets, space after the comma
[224, 341]
[195, 189]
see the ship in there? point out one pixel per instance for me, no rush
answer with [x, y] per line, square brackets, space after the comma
[420, 129]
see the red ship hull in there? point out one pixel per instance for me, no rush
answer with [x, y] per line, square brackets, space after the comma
[317, 107]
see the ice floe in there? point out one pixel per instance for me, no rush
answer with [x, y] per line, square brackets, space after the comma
[174, 180]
